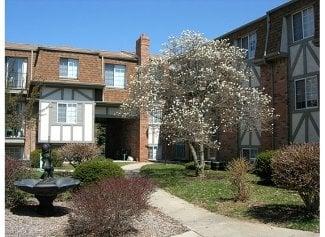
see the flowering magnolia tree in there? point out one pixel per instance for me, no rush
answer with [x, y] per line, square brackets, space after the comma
[200, 87]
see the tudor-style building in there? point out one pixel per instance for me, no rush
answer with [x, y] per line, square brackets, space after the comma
[78, 88]
[283, 52]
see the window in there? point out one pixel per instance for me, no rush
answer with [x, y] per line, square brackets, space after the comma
[16, 152]
[155, 117]
[303, 24]
[249, 153]
[179, 151]
[15, 132]
[16, 72]
[153, 135]
[152, 152]
[115, 75]
[67, 113]
[69, 68]
[306, 92]
[248, 42]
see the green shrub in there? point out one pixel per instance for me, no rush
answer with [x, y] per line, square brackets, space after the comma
[296, 167]
[238, 170]
[263, 165]
[97, 169]
[34, 158]
[14, 170]
[57, 161]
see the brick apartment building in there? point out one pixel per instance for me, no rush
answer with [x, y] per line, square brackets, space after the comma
[78, 88]
[82, 87]
[283, 52]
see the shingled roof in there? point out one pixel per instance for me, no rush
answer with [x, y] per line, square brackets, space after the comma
[102, 53]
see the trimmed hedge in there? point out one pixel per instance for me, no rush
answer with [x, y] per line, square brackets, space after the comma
[97, 169]
[35, 155]
[263, 165]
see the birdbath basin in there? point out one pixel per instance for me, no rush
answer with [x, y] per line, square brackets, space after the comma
[47, 187]
[46, 190]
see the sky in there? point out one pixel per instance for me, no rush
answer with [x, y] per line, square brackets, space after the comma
[115, 25]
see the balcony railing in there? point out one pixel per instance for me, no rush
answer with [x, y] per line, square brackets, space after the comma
[15, 133]
[16, 80]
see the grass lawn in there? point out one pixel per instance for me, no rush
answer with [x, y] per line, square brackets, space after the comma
[122, 163]
[267, 204]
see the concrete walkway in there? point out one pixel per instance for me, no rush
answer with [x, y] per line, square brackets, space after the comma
[202, 222]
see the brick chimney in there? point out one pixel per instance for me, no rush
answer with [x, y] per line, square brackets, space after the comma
[142, 49]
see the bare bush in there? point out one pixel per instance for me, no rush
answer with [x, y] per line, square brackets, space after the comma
[238, 169]
[106, 208]
[76, 153]
[14, 170]
[296, 167]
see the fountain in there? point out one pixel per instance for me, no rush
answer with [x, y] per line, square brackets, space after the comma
[47, 187]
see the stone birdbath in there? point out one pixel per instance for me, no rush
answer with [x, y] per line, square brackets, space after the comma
[47, 187]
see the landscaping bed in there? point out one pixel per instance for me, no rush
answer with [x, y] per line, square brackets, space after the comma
[267, 204]
[24, 221]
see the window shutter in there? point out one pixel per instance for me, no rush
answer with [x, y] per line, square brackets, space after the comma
[53, 113]
[80, 113]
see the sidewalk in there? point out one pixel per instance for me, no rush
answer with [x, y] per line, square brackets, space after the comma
[202, 222]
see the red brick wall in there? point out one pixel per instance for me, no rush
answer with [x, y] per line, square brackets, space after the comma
[260, 28]
[48, 62]
[118, 95]
[30, 139]
[276, 19]
[229, 145]
[280, 101]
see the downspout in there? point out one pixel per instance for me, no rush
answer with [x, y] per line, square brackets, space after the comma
[30, 79]
[272, 71]
[103, 79]
[267, 32]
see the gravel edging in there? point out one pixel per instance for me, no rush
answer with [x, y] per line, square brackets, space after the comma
[24, 221]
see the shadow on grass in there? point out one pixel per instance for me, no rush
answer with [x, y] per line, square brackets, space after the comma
[31, 210]
[267, 183]
[279, 213]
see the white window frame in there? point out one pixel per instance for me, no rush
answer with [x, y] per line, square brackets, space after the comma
[240, 44]
[153, 147]
[114, 86]
[21, 77]
[302, 25]
[66, 115]
[306, 104]
[250, 152]
[67, 76]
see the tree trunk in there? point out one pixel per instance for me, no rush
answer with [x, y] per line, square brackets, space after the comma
[199, 165]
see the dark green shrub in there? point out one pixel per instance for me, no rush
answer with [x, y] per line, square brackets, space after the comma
[57, 161]
[296, 167]
[263, 165]
[97, 169]
[34, 158]
[14, 170]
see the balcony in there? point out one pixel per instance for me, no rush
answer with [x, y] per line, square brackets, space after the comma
[16, 81]
[16, 136]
